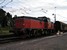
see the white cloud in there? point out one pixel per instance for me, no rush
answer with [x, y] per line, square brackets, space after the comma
[23, 7]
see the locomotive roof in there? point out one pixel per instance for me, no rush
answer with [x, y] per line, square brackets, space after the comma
[28, 17]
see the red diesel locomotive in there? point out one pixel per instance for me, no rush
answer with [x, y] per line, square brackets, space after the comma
[31, 26]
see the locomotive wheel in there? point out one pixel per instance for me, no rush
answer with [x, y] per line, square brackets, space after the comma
[28, 32]
[25, 33]
[39, 32]
[45, 32]
[35, 33]
[52, 32]
[42, 32]
[17, 33]
[49, 32]
[31, 33]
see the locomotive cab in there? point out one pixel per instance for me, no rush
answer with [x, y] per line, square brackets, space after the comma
[43, 18]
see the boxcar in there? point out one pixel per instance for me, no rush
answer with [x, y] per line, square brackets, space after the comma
[60, 26]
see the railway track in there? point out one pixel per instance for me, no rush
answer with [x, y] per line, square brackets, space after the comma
[8, 39]
[12, 38]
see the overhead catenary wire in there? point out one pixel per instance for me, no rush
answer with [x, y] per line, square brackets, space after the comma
[25, 8]
[6, 4]
[2, 2]
[62, 16]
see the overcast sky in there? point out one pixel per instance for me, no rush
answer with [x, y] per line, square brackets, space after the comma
[37, 8]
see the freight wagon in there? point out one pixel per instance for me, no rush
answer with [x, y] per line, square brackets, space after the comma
[60, 26]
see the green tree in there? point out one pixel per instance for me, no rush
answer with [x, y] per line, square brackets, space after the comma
[9, 18]
[3, 18]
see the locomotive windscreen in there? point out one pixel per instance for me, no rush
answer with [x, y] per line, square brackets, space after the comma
[43, 18]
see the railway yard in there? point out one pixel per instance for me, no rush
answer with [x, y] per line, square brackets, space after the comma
[30, 33]
[33, 25]
[54, 42]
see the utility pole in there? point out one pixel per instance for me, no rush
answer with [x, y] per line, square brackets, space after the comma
[54, 17]
[54, 14]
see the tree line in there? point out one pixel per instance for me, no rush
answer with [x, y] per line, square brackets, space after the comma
[5, 18]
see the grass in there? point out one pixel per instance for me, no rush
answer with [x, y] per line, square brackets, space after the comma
[4, 31]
